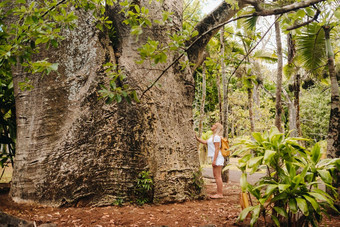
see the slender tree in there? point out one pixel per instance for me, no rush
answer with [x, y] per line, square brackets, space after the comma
[225, 174]
[278, 105]
[224, 84]
[201, 118]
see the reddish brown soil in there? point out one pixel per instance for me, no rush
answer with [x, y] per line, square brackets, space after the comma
[218, 212]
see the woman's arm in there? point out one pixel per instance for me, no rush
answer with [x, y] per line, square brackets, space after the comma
[200, 140]
[217, 150]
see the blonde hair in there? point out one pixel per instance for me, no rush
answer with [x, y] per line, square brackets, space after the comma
[219, 129]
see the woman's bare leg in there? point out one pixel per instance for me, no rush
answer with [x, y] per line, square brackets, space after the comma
[217, 170]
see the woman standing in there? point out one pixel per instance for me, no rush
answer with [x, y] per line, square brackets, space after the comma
[214, 145]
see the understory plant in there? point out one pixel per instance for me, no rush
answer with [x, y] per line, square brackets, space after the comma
[290, 193]
[144, 188]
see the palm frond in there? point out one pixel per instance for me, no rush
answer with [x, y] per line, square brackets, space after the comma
[266, 56]
[289, 70]
[250, 22]
[311, 47]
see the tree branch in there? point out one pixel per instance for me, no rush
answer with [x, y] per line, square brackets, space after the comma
[224, 12]
[287, 8]
[305, 23]
[52, 8]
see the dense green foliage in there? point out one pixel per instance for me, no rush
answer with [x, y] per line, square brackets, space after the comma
[290, 192]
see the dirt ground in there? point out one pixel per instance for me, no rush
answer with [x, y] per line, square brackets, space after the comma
[209, 212]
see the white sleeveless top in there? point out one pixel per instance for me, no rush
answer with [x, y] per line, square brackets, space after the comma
[211, 145]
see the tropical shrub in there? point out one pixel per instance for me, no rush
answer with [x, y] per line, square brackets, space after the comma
[144, 188]
[290, 193]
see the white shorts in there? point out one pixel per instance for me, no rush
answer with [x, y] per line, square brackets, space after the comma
[219, 160]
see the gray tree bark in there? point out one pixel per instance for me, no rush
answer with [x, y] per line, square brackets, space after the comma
[72, 149]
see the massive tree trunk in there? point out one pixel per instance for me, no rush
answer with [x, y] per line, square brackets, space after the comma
[74, 149]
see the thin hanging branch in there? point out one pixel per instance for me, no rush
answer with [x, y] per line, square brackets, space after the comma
[251, 50]
[305, 23]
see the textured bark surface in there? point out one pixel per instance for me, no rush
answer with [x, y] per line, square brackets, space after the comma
[74, 149]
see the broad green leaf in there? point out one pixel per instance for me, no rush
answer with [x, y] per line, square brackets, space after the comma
[300, 13]
[281, 196]
[277, 222]
[118, 98]
[325, 176]
[296, 180]
[281, 211]
[302, 204]
[322, 193]
[254, 161]
[243, 161]
[316, 153]
[270, 189]
[313, 202]
[257, 136]
[283, 187]
[244, 213]
[268, 155]
[255, 215]
[292, 205]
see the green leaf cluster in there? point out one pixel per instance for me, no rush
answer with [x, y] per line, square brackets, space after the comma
[290, 192]
[116, 90]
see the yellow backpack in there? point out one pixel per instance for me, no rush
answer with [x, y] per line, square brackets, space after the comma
[225, 147]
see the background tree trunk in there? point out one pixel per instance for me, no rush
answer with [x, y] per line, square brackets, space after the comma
[294, 107]
[74, 149]
[333, 140]
[250, 106]
[202, 153]
[218, 77]
[278, 105]
[225, 87]
[225, 174]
